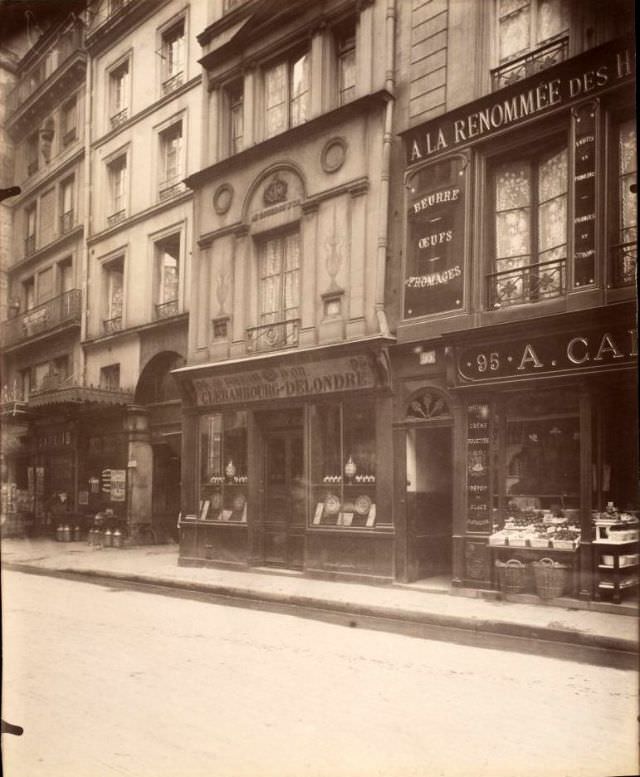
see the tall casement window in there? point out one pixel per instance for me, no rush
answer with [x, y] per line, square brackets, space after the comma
[117, 174]
[29, 293]
[32, 148]
[346, 53]
[119, 94]
[287, 94]
[167, 253]
[235, 100]
[624, 250]
[531, 35]
[530, 229]
[46, 285]
[30, 230]
[69, 122]
[65, 275]
[171, 159]
[279, 293]
[66, 205]
[173, 57]
[113, 277]
[110, 377]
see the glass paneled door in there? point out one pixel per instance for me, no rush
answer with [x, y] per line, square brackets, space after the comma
[284, 498]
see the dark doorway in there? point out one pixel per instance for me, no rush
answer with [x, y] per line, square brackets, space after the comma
[166, 489]
[284, 512]
[429, 501]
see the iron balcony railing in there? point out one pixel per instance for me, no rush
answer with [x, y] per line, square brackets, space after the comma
[64, 309]
[111, 325]
[170, 187]
[624, 261]
[269, 337]
[530, 63]
[167, 309]
[116, 218]
[531, 283]
[172, 83]
[119, 118]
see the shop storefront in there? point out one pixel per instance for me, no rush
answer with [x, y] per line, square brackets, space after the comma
[288, 463]
[551, 449]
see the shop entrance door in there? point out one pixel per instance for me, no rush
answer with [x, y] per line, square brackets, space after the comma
[284, 498]
[429, 502]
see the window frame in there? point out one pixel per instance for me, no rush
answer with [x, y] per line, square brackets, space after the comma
[116, 164]
[30, 228]
[234, 109]
[345, 43]
[171, 76]
[111, 319]
[107, 374]
[69, 109]
[164, 308]
[119, 93]
[535, 156]
[167, 182]
[288, 61]
[67, 216]
[619, 277]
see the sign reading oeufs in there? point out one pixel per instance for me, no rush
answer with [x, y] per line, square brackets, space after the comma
[435, 240]
[608, 349]
[350, 373]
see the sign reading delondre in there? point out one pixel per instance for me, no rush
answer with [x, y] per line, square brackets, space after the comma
[435, 240]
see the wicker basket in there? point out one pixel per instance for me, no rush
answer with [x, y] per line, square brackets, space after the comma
[551, 578]
[512, 576]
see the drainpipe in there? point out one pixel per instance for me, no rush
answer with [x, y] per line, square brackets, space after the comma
[87, 174]
[387, 138]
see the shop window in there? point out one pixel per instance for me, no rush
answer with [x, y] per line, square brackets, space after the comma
[168, 276]
[66, 205]
[287, 93]
[69, 122]
[117, 173]
[173, 57]
[531, 35]
[30, 230]
[530, 230]
[119, 94]
[279, 294]
[171, 152]
[346, 54]
[113, 276]
[223, 467]
[234, 94]
[624, 252]
[343, 465]
[110, 377]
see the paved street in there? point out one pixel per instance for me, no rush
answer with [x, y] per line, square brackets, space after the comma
[113, 681]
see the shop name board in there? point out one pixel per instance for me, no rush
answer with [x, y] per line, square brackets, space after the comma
[332, 375]
[564, 83]
[548, 354]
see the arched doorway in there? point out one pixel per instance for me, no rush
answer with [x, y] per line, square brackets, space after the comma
[158, 391]
[429, 485]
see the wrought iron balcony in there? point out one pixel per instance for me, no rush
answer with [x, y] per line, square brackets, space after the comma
[624, 261]
[119, 118]
[530, 63]
[66, 222]
[270, 337]
[116, 218]
[111, 325]
[64, 309]
[172, 83]
[167, 309]
[171, 187]
[29, 245]
[532, 283]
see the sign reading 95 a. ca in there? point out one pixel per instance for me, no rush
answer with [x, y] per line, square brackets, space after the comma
[603, 349]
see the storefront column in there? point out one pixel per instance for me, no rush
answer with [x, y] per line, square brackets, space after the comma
[139, 466]
[586, 583]
[400, 508]
[458, 502]
[241, 313]
[356, 323]
[309, 227]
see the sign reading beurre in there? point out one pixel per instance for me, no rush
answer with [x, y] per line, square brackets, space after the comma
[435, 239]
[349, 373]
[554, 353]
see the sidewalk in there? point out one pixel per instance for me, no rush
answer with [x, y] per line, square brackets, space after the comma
[158, 565]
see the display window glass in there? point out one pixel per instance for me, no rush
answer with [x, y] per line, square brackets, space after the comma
[223, 467]
[343, 465]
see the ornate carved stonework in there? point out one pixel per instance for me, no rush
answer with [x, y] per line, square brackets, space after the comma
[275, 191]
[427, 405]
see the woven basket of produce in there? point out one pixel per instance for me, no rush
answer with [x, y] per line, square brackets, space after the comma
[551, 578]
[512, 576]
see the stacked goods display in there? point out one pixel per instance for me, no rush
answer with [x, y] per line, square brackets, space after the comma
[616, 550]
[531, 528]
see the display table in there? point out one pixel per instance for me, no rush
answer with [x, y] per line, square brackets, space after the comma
[616, 565]
[213, 541]
[570, 557]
